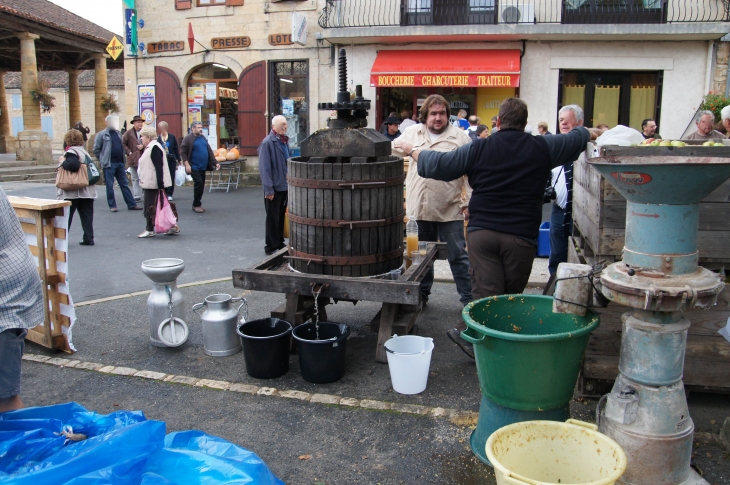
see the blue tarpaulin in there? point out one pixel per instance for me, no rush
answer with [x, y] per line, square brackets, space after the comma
[122, 448]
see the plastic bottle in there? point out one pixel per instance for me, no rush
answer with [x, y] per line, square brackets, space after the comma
[411, 236]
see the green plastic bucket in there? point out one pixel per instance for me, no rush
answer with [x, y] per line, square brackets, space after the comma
[527, 357]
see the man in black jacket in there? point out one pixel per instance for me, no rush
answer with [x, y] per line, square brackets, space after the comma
[172, 150]
[198, 157]
[507, 172]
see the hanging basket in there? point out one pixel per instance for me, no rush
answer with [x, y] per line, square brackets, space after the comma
[42, 96]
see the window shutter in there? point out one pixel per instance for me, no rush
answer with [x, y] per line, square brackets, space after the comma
[252, 122]
[183, 4]
[168, 99]
[234, 3]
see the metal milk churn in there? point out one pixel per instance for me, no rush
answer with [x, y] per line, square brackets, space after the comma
[166, 301]
[219, 324]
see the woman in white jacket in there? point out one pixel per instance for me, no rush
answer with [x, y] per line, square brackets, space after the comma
[154, 174]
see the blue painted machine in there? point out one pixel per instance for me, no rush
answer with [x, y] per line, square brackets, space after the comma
[659, 278]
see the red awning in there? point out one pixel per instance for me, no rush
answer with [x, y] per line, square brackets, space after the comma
[447, 68]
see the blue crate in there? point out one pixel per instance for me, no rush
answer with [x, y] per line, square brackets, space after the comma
[543, 240]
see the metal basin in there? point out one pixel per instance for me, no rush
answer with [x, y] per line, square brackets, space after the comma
[163, 270]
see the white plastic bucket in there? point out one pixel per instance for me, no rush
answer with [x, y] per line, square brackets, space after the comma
[409, 358]
[550, 452]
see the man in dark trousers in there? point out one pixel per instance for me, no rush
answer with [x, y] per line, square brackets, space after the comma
[109, 150]
[172, 150]
[198, 158]
[273, 154]
[507, 172]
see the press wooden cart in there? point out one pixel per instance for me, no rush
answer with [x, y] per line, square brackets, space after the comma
[599, 215]
[401, 298]
[43, 213]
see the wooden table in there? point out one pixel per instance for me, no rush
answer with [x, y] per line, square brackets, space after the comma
[401, 298]
[42, 213]
[232, 167]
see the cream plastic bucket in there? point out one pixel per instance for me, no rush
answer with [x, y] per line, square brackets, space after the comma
[552, 453]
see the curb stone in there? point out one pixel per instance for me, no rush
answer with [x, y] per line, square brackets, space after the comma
[457, 418]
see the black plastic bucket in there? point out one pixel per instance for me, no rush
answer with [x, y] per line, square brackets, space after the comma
[266, 345]
[322, 361]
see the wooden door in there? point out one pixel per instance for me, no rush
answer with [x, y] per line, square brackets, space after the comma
[252, 122]
[167, 98]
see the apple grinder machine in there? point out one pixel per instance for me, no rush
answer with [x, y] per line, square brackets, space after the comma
[646, 412]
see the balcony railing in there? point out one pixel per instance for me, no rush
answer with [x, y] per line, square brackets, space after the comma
[382, 13]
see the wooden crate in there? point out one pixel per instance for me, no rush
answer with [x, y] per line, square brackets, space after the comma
[599, 216]
[707, 360]
[38, 219]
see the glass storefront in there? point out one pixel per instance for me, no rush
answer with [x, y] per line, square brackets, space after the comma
[213, 100]
[290, 97]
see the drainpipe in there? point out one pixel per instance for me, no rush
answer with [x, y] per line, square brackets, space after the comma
[725, 39]
[710, 66]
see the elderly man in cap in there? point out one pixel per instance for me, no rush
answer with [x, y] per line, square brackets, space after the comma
[392, 125]
[133, 150]
[198, 158]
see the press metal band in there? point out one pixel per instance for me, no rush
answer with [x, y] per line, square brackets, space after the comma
[345, 184]
[310, 221]
[344, 260]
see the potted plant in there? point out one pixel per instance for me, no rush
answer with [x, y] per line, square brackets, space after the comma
[110, 104]
[42, 96]
[714, 102]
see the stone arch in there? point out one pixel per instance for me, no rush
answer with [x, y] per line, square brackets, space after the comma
[209, 58]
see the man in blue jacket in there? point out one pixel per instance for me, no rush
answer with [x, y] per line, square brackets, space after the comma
[273, 154]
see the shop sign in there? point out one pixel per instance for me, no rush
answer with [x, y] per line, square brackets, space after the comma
[165, 46]
[146, 97]
[446, 80]
[230, 42]
[280, 39]
[115, 48]
[299, 28]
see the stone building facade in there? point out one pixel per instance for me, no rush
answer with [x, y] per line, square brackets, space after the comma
[243, 71]
[656, 62]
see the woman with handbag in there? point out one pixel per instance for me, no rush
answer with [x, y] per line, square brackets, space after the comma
[75, 160]
[154, 177]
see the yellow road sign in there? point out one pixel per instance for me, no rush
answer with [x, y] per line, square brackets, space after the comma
[115, 48]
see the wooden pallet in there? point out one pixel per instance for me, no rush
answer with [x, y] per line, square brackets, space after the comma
[401, 298]
[41, 215]
[707, 359]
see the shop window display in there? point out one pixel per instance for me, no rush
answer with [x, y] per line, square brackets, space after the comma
[212, 99]
[290, 97]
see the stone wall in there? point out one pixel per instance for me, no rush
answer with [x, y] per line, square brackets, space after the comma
[722, 55]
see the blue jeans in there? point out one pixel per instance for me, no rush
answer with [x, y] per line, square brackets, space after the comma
[116, 170]
[452, 233]
[558, 239]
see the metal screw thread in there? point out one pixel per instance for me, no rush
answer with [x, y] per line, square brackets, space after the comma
[343, 70]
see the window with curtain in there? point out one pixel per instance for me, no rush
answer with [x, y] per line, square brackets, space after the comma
[612, 97]
[574, 95]
[606, 100]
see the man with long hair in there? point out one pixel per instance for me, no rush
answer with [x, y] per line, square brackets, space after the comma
[438, 207]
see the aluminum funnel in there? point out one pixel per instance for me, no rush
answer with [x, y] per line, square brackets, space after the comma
[663, 180]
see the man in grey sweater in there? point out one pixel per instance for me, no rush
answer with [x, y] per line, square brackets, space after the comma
[108, 149]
